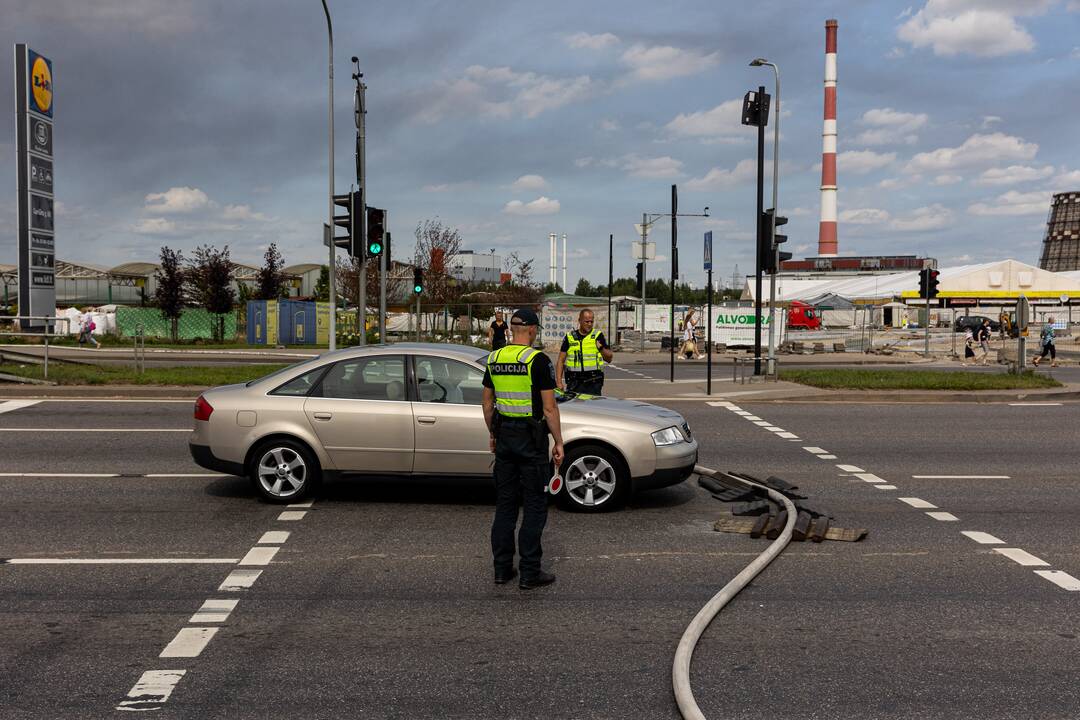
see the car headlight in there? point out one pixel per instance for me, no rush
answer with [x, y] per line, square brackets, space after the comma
[667, 436]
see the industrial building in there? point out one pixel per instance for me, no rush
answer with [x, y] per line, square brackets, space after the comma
[1061, 243]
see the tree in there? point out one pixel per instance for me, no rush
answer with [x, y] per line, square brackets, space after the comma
[271, 275]
[437, 246]
[520, 270]
[585, 289]
[322, 285]
[169, 294]
[209, 276]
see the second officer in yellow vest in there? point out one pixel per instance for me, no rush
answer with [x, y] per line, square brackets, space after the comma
[520, 412]
[581, 358]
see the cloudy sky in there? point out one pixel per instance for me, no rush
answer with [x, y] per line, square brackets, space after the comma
[184, 122]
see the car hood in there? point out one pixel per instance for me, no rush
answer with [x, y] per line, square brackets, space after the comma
[602, 406]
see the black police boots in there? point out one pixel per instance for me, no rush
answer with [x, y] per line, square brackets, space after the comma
[539, 580]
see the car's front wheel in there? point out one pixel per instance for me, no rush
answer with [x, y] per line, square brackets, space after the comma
[594, 479]
[284, 471]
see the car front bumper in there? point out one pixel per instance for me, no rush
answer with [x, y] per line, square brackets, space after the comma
[673, 465]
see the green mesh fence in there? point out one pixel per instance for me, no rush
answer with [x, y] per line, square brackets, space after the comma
[194, 323]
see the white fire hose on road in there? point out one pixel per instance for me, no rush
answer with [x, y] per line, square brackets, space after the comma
[680, 671]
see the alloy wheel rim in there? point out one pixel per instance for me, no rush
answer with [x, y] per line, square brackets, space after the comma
[590, 481]
[282, 472]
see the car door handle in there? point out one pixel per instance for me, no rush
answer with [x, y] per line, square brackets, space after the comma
[322, 415]
[425, 420]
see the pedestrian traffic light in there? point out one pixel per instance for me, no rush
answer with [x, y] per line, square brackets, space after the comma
[350, 204]
[376, 230]
[386, 251]
[640, 278]
[771, 258]
[418, 280]
[755, 109]
[932, 283]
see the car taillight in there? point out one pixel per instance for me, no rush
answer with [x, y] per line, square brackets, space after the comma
[203, 409]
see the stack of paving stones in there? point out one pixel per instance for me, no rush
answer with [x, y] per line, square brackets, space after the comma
[754, 513]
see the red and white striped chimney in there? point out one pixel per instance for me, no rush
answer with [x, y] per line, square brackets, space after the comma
[827, 229]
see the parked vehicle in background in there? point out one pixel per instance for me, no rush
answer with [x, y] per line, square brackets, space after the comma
[803, 317]
[974, 322]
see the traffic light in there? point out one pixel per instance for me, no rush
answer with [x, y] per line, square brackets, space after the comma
[350, 241]
[772, 258]
[376, 230]
[932, 283]
[640, 278]
[755, 109]
[924, 282]
[418, 280]
[386, 251]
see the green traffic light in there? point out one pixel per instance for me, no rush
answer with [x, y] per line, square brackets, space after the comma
[418, 289]
[374, 248]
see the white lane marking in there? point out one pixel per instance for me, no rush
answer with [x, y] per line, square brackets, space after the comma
[259, 556]
[1023, 557]
[292, 515]
[61, 475]
[186, 475]
[751, 417]
[120, 561]
[274, 537]
[307, 504]
[943, 516]
[144, 401]
[1062, 579]
[869, 477]
[98, 430]
[851, 468]
[826, 457]
[981, 537]
[918, 503]
[885, 487]
[239, 580]
[744, 413]
[10, 405]
[815, 450]
[721, 403]
[189, 642]
[214, 611]
[787, 435]
[1035, 404]
[151, 690]
[773, 428]
[960, 477]
[762, 423]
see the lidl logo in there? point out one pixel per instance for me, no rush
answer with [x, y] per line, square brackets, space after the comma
[41, 84]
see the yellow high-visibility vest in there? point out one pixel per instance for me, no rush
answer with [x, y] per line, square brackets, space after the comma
[510, 369]
[583, 355]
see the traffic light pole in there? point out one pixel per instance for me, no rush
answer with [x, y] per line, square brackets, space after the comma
[333, 246]
[770, 368]
[644, 264]
[360, 116]
[760, 208]
[926, 332]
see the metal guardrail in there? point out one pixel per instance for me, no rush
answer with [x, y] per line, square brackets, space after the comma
[45, 334]
[739, 367]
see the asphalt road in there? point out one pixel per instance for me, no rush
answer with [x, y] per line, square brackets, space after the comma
[380, 603]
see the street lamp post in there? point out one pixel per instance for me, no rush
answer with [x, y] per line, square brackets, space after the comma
[332, 264]
[770, 368]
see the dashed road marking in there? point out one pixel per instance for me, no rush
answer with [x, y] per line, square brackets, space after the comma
[885, 487]
[239, 580]
[869, 477]
[943, 516]
[918, 503]
[816, 450]
[189, 642]
[1022, 557]
[292, 515]
[982, 538]
[119, 561]
[16, 405]
[214, 611]
[788, 435]
[151, 690]
[826, 457]
[960, 477]
[851, 468]
[762, 423]
[1062, 579]
[274, 537]
[751, 417]
[259, 556]
[773, 428]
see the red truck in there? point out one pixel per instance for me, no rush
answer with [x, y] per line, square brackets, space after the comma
[803, 317]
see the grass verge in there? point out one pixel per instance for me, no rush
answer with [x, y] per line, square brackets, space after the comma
[112, 375]
[862, 379]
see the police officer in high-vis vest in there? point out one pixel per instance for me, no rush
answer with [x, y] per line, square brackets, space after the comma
[520, 412]
[582, 356]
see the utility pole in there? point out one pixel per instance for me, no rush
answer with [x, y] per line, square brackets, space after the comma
[360, 118]
[644, 267]
[774, 261]
[610, 280]
[333, 248]
[674, 268]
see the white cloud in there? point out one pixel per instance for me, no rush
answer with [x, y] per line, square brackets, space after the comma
[895, 54]
[177, 200]
[948, 179]
[585, 41]
[657, 167]
[1014, 203]
[1014, 174]
[540, 206]
[989, 120]
[976, 150]
[664, 62]
[242, 212]
[720, 178]
[984, 28]
[1075, 54]
[503, 93]
[529, 182]
[154, 18]
[1066, 180]
[721, 122]
[864, 216]
[608, 125]
[583, 162]
[860, 162]
[932, 217]
[890, 127]
[155, 226]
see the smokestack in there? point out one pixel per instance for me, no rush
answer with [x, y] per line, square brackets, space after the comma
[827, 229]
[552, 257]
[564, 262]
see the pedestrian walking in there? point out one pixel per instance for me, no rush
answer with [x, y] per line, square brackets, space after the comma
[520, 411]
[496, 334]
[984, 340]
[86, 330]
[580, 365]
[1005, 325]
[969, 347]
[1046, 339]
[689, 348]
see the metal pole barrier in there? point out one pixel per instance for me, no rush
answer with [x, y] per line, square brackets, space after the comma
[708, 339]
[46, 353]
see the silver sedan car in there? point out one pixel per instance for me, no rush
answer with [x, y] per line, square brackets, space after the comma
[414, 409]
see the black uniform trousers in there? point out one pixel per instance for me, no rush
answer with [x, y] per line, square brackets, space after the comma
[522, 471]
[590, 382]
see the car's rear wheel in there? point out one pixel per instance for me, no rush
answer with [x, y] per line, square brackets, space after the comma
[284, 471]
[594, 479]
